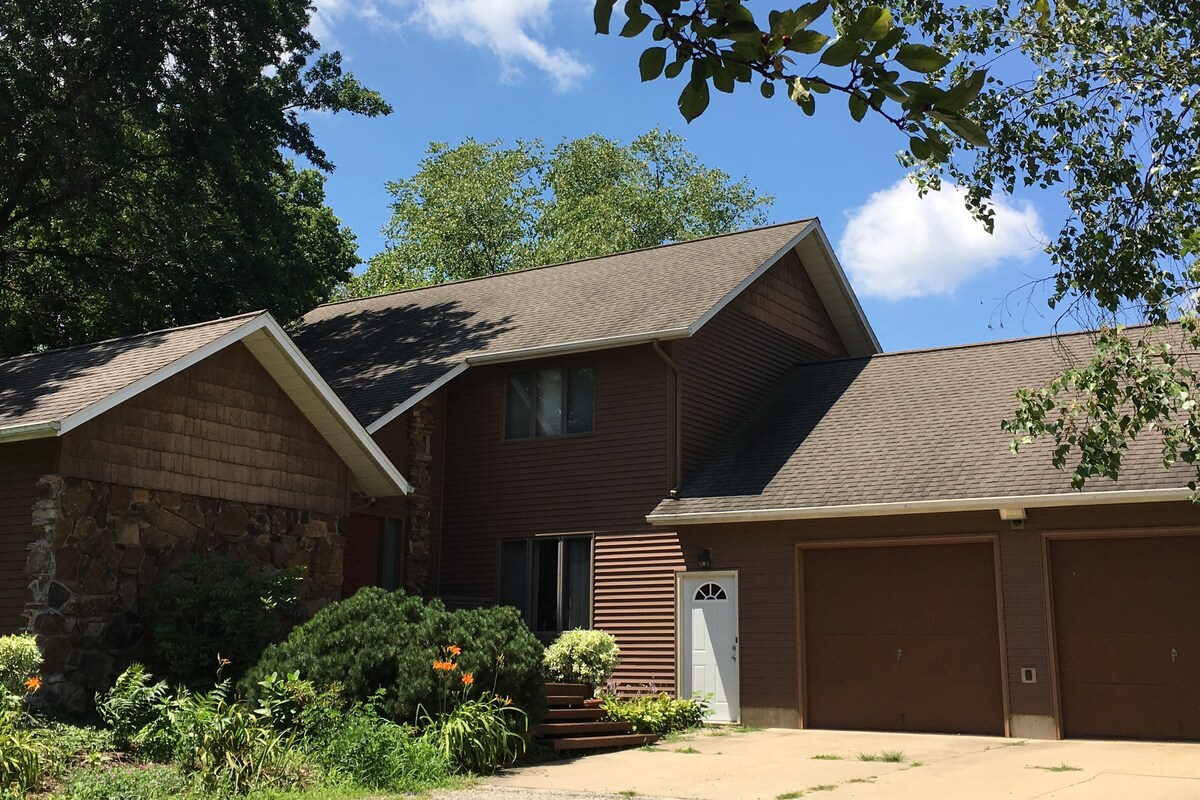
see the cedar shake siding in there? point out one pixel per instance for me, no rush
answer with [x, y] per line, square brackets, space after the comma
[742, 353]
[765, 556]
[21, 465]
[222, 428]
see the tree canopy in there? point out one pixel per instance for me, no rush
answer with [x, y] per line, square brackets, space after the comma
[143, 181]
[480, 208]
[1091, 99]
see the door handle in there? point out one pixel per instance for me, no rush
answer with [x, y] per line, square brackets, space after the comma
[899, 655]
[1174, 655]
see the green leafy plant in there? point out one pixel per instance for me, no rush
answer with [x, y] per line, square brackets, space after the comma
[380, 640]
[22, 755]
[226, 746]
[132, 703]
[887, 756]
[224, 613]
[658, 713]
[19, 662]
[480, 735]
[582, 656]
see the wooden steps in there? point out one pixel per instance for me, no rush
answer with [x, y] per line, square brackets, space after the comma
[576, 721]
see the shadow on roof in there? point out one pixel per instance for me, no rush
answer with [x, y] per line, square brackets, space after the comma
[746, 462]
[376, 358]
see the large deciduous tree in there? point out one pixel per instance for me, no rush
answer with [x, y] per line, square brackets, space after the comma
[142, 175]
[1093, 99]
[481, 208]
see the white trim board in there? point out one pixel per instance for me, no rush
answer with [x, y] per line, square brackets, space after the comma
[923, 506]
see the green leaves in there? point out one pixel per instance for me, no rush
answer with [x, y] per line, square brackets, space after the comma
[841, 52]
[921, 58]
[602, 14]
[873, 23]
[650, 65]
[693, 99]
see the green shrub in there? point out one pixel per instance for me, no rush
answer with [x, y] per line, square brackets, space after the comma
[479, 735]
[224, 611]
[380, 640]
[153, 782]
[658, 713]
[582, 656]
[19, 661]
[68, 742]
[131, 704]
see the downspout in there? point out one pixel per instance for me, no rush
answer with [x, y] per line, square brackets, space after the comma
[677, 456]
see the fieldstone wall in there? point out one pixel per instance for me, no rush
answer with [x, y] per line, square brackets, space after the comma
[421, 423]
[102, 550]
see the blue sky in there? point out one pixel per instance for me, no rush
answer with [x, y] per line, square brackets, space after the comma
[509, 69]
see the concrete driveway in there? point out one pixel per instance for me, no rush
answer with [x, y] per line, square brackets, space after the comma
[718, 765]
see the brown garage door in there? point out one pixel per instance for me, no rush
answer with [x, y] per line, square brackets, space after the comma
[1127, 624]
[903, 638]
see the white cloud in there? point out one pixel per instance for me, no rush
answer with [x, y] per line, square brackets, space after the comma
[514, 30]
[899, 245]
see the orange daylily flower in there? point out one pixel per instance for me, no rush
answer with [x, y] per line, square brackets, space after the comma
[455, 650]
[468, 679]
[33, 684]
[443, 666]
[508, 701]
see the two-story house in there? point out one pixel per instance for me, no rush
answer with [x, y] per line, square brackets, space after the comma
[700, 448]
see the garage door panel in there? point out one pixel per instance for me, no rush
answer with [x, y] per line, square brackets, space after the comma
[1127, 628]
[903, 638]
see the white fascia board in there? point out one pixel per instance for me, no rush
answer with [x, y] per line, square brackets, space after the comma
[847, 289]
[32, 430]
[115, 399]
[924, 506]
[752, 277]
[361, 438]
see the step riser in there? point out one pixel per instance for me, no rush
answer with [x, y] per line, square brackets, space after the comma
[598, 742]
[575, 715]
[569, 689]
[582, 728]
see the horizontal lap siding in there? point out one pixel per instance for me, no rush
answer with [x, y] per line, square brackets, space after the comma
[222, 428]
[635, 601]
[603, 484]
[21, 464]
[738, 357]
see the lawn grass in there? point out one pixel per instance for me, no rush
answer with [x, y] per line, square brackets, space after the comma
[688, 750]
[789, 795]
[826, 757]
[887, 756]
[823, 787]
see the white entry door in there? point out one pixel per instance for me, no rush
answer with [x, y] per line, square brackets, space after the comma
[709, 641]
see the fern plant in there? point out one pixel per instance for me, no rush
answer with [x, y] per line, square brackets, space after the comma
[132, 704]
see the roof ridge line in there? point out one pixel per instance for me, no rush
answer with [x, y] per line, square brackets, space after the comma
[564, 263]
[111, 339]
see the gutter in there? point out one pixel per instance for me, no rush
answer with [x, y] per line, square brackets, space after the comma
[33, 430]
[1004, 504]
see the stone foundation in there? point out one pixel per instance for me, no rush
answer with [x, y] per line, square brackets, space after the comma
[103, 549]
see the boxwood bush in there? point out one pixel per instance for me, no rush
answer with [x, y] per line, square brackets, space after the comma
[381, 640]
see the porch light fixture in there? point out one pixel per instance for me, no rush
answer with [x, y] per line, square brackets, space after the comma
[705, 558]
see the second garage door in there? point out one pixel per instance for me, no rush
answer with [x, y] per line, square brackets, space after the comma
[1127, 624]
[902, 638]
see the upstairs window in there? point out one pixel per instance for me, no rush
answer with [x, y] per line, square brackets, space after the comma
[553, 401]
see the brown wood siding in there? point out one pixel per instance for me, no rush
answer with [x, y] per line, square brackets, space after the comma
[21, 464]
[393, 441]
[785, 298]
[603, 483]
[734, 360]
[222, 428]
[634, 599]
[764, 555]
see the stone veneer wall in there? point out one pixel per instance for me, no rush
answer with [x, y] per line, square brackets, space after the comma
[421, 422]
[102, 549]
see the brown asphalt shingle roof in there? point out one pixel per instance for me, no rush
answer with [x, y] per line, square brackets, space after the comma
[51, 386]
[901, 427]
[379, 351]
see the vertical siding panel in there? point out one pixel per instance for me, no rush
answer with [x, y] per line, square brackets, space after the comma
[1025, 620]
